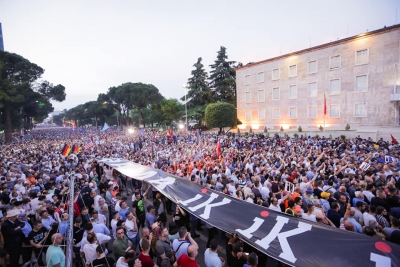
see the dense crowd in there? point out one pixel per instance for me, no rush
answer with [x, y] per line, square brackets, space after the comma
[351, 184]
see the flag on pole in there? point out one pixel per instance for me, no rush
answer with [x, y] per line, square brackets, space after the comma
[394, 139]
[66, 150]
[105, 127]
[219, 148]
[89, 144]
[324, 104]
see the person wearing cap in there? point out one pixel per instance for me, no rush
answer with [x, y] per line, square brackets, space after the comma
[11, 230]
[150, 216]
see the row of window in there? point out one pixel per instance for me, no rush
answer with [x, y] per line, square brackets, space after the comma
[361, 58]
[360, 111]
[335, 88]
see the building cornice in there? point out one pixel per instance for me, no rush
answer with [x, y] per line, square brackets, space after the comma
[319, 47]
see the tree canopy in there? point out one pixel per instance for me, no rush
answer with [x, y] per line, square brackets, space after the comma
[220, 114]
[172, 110]
[223, 78]
[20, 89]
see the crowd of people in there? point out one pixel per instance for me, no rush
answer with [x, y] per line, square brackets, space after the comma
[351, 184]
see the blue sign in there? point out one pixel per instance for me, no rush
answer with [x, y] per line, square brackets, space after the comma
[1, 39]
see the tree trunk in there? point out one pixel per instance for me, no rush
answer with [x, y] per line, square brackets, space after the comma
[220, 130]
[7, 124]
[140, 116]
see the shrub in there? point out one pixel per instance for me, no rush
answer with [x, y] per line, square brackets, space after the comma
[342, 136]
[246, 133]
[295, 135]
[321, 128]
[300, 129]
[317, 136]
[281, 129]
[347, 127]
[265, 129]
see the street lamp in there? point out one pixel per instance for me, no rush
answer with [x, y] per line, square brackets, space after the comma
[185, 86]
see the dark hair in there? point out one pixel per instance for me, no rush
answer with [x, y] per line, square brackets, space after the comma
[130, 254]
[78, 219]
[145, 244]
[372, 208]
[37, 222]
[214, 244]
[291, 203]
[173, 228]
[88, 226]
[119, 223]
[334, 205]
[90, 237]
[182, 232]
[253, 259]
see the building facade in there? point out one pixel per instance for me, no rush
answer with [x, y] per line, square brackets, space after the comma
[349, 81]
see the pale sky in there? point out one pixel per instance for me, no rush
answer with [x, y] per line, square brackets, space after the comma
[89, 46]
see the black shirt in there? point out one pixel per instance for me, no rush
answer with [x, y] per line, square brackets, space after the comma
[100, 262]
[78, 234]
[36, 237]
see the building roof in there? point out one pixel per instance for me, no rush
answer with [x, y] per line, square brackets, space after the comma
[318, 47]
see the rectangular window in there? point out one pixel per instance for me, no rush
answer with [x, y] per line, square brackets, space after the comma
[260, 77]
[275, 74]
[335, 62]
[247, 80]
[261, 114]
[312, 67]
[312, 112]
[361, 83]
[312, 90]
[248, 97]
[261, 95]
[360, 110]
[334, 111]
[362, 57]
[334, 87]
[293, 113]
[293, 71]
[275, 93]
[293, 91]
[276, 113]
[248, 115]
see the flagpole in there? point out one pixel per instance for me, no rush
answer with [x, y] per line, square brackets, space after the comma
[324, 110]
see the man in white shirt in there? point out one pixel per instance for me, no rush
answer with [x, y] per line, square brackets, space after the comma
[131, 228]
[231, 188]
[369, 216]
[265, 190]
[90, 248]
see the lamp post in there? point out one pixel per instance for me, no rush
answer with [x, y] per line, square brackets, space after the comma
[185, 86]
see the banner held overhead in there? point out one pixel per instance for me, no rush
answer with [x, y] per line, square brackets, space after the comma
[294, 241]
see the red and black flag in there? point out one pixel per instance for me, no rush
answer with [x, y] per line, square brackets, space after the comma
[66, 150]
[75, 149]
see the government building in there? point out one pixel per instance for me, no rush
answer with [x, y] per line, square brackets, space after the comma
[348, 81]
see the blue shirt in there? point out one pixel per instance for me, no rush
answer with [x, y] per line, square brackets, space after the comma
[357, 226]
[123, 212]
[63, 228]
[47, 222]
[26, 229]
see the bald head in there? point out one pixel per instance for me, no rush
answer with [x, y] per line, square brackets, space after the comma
[192, 251]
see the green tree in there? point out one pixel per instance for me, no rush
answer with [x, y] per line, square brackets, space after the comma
[223, 78]
[199, 93]
[220, 114]
[172, 110]
[18, 81]
[144, 95]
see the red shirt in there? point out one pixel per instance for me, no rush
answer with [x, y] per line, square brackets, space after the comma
[185, 261]
[146, 260]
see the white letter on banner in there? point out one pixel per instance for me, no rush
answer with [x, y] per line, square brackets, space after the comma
[208, 206]
[287, 253]
[381, 261]
[247, 233]
[162, 183]
[197, 197]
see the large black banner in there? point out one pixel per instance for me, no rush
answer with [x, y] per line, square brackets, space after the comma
[294, 241]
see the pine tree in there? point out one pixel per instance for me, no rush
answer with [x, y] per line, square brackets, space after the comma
[199, 92]
[222, 78]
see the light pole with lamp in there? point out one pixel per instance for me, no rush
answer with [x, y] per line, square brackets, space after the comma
[185, 86]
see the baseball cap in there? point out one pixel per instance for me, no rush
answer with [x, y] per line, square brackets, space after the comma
[325, 194]
[150, 207]
[309, 192]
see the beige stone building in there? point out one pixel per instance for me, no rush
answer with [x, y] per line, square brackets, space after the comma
[357, 75]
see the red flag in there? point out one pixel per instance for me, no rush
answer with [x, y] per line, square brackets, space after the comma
[394, 139]
[91, 138]
[219, 148]
[324, 104]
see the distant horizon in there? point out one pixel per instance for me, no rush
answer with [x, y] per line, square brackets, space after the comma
[91, 46]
